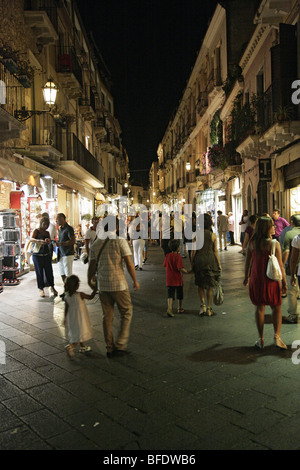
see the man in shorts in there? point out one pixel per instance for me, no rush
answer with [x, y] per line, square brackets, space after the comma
[65, 244]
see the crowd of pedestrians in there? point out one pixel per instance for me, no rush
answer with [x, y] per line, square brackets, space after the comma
[126, 245]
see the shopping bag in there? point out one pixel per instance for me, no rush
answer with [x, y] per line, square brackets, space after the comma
[273, 267]
[218, 295]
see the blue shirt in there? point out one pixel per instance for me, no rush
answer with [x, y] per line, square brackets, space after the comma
[65, 233]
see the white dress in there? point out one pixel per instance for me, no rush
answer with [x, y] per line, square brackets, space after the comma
[78, 324]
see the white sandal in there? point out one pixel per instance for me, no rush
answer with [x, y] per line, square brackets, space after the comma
[202, 310]
[279, 343]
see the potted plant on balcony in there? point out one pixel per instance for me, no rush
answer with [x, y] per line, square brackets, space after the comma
[25, 74]
[9, 59]
[283, 113]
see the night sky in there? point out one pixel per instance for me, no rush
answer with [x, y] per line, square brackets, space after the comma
[150, 48]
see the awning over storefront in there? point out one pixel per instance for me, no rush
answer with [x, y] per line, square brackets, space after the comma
[288, 155]
[18, 173]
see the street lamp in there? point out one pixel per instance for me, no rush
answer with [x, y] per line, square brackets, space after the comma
[188, 166]
[49, 92]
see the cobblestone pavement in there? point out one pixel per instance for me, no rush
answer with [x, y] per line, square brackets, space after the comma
[190, 382]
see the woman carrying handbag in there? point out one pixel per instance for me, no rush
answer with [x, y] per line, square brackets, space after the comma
[263, 290]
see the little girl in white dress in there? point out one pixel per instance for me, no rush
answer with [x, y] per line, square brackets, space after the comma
[77, 320]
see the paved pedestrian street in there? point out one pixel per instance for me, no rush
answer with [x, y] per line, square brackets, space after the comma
[190, 383]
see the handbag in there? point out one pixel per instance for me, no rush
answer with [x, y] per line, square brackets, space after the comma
[273, 267]
[218, 295]
[35, 248]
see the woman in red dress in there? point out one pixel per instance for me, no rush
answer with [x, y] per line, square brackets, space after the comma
[262, 290]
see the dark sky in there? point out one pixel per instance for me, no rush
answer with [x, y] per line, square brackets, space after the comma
[150, 47]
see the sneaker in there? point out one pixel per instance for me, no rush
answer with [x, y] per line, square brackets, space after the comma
[259, 343]
[110, 354]
[292, 318]
[84, 349]
[121, 352]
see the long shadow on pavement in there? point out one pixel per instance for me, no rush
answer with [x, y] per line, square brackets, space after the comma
[237, 355]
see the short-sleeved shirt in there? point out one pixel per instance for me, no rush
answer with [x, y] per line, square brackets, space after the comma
[65, 233]
[173, 263]
[280, 224]
[110, 273]
[90, 235]
[296, 244]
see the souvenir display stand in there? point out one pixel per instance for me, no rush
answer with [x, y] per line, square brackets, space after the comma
[1, 262]
[12, 261]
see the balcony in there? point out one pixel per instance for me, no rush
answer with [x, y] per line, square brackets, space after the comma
[48, 139]
[99, 128]
[87, 106]
[41, 17]
[106, 142]
[12, 97]
[112, 185]
[69, 72]
[202, 103]
[80, 163]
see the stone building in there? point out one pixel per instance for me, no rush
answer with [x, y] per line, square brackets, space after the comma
[65, 156]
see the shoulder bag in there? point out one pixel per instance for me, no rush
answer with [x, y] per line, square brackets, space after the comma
[273, 268]
[97, 261]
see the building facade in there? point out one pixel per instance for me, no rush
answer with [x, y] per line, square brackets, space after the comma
[66, 156]
[233, 141]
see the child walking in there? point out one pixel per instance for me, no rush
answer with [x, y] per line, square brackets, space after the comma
[174, 279]
[77, 319]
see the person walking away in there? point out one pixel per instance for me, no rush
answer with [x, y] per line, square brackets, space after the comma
[178, 225]
[77, 320]
[231, 227]
[137, 245]
[166, 231]
[222, 225]
[280, 223]
[65, 244]
[78, 241]
[207, 268]
[91, 235]
[293, 292]
[174, 279]
[248, 233]
[113, 287]
[42, 258]
[295, 263]
[262, 290]
[244, 222]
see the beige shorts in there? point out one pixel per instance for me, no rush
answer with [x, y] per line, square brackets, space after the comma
[65, 265]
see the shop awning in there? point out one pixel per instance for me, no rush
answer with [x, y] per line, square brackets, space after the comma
[288, 155]
[18, 173]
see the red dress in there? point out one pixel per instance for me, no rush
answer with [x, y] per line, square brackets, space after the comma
[262, 290]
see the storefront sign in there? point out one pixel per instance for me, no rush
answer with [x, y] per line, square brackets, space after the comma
[265, 171]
